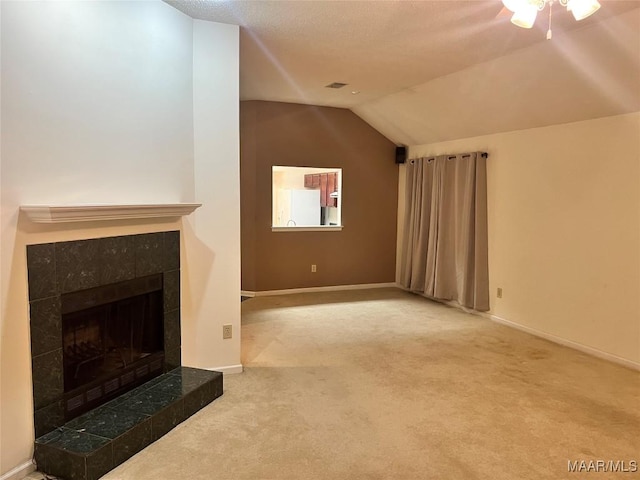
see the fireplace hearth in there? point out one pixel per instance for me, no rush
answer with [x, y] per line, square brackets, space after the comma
[94, 443]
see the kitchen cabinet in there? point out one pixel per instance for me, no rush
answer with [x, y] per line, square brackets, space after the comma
[327, 183]
[312, 180]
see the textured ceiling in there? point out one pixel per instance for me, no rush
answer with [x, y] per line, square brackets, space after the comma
[585, 74]
[289, 50]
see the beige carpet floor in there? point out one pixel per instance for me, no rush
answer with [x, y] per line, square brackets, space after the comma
[382, 384]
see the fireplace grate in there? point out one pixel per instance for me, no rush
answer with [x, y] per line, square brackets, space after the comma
[95, 393]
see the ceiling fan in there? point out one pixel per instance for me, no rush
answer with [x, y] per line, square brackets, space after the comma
[524, 12]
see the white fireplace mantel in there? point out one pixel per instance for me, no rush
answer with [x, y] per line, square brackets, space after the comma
[87, 213]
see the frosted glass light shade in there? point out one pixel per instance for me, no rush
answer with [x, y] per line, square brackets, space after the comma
[525, 17]
[514, 5]
[581, 9]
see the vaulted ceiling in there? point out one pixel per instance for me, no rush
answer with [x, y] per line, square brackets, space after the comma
[387, 51]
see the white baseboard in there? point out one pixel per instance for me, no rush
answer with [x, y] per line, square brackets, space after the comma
[332, 288]
[563, 341]
[19, 472]
[228, 369]
[246, 293]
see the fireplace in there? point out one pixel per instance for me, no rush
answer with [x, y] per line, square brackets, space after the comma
[105, 318]
[112, 341]
[105, 347]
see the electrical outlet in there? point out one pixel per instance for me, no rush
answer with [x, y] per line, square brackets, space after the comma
[227, 331]
[499, 292]
[313, 269]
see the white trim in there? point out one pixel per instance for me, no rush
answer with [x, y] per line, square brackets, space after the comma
[563, 341]
[228, 369]
[19, 472]
[84, 213]
[326, 228]
[333, 288]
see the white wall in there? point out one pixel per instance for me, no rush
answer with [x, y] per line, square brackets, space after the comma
[97, 107]
[564, 229]
[211, 296]
[97, 91]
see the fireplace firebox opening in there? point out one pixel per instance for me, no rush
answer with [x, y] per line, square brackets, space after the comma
[113, 341]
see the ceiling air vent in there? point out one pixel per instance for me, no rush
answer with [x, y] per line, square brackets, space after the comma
[336, 85]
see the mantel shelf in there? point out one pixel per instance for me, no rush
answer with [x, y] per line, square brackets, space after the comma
[89, 213]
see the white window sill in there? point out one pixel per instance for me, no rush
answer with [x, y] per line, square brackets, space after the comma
[325, 228]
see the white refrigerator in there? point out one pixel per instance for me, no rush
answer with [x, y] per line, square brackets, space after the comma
[300, 208]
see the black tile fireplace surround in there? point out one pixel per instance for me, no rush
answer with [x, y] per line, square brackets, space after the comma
[57, 269]
[54, 271]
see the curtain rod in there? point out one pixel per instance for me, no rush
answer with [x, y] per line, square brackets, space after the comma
[482, 154]
[450, 157]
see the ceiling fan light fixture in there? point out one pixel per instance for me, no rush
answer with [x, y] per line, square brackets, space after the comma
[525, 16]
[581, 9]
[514, 5]
[525, 11]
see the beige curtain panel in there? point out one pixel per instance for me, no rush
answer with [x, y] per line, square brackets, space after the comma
[444, 252]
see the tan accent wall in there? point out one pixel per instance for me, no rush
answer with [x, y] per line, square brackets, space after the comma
[248, 219]
[310, 136]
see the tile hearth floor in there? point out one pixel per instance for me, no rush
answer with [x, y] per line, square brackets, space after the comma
[92, 444]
